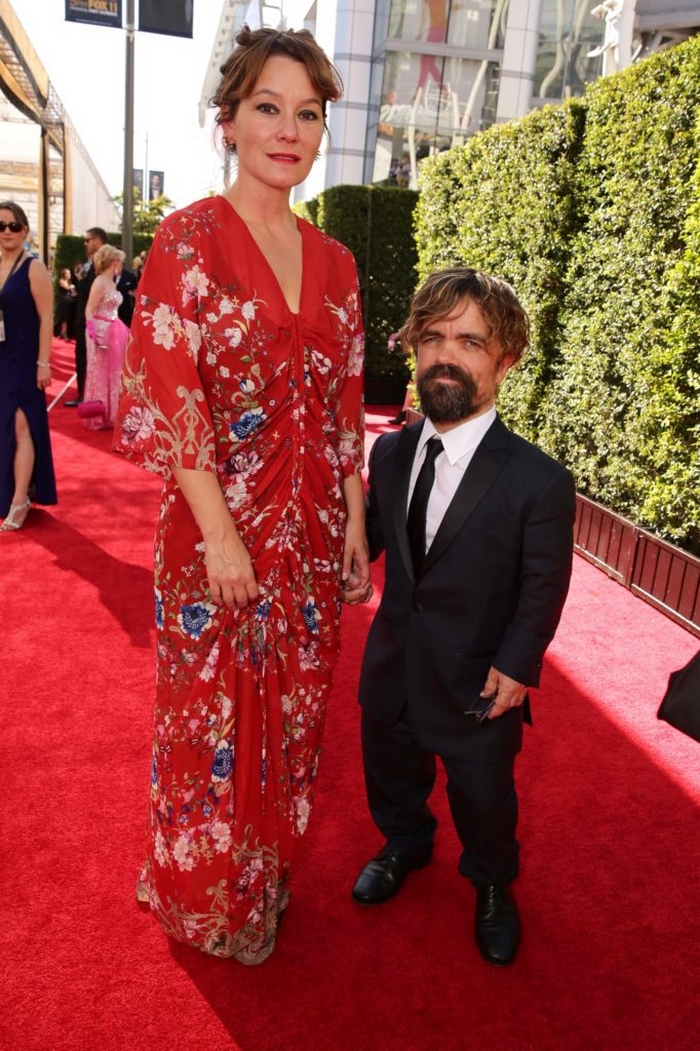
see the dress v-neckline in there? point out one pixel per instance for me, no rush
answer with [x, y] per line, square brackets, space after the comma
[273, 275]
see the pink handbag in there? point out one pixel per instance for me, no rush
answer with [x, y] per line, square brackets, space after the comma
[88, 409]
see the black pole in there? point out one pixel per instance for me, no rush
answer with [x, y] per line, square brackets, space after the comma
[128, 193]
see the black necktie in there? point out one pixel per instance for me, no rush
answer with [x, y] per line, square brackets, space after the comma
[419, 502]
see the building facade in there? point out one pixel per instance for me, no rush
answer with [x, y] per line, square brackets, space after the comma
[421, 76]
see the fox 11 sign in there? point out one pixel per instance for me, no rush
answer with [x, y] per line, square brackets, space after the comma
[95, 12]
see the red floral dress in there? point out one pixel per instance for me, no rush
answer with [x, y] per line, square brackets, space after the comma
[220, 376]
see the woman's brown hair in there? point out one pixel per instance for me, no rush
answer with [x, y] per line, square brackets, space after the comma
[446, 291]
[242, 69]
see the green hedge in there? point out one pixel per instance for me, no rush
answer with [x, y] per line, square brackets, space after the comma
[70, 249]
[375, 223]
[592, 210]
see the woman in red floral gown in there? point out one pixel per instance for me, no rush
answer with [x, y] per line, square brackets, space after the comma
[242, 386]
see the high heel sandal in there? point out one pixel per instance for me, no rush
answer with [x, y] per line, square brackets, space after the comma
[11, 524]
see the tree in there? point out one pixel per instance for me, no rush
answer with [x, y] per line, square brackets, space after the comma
[147, 214]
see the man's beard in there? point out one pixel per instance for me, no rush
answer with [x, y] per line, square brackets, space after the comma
[447, 402]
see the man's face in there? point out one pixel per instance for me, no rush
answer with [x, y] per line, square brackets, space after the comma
[92, 243]
[459, 367]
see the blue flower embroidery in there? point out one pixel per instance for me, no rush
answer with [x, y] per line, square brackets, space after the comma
[194, 619]
[222, 767]
[309, 613]
[160, 617]
[154, 771]
[262, 610]
[249, 422]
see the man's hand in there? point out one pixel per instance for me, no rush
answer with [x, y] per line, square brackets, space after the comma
[509, 693]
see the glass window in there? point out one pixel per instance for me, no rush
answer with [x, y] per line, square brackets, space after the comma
[568, 32]
[428, 107]
[461, 23]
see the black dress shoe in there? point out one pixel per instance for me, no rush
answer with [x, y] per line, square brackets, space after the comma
[73, 403]
[497, 924]
[382, 877]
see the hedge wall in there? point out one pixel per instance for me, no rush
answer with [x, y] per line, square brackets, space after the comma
[70, 249]
[375, 223]
[592, 210]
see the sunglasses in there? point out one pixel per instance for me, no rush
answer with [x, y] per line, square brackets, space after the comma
[13, 227]
[482, 707]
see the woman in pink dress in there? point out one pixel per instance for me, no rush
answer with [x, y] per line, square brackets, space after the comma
[105, 336]
[242, 387]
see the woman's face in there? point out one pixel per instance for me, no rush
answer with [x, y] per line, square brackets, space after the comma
[278, 129]
[9, 241]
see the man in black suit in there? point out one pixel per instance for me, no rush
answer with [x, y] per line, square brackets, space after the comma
[477, 573]
[94, 239]
[127, 286]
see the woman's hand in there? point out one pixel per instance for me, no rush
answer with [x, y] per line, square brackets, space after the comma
[357, 586]
[43, 375]
[229, 567]
[230, 572]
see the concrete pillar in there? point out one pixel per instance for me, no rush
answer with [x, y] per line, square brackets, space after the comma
[519, 60]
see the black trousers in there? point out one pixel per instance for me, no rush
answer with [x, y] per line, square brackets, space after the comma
[80, 358]
[400, 770]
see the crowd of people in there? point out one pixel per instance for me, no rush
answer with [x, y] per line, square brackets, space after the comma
[241, 385]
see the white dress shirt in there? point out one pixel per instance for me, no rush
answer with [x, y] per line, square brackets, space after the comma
[458, 446]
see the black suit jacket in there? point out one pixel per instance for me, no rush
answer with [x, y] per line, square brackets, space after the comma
[492, 586]
[127, 286]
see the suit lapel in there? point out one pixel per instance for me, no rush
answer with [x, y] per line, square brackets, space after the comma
[484, 468]
[405, 452]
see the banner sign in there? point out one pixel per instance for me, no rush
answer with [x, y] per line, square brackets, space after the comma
[95, 12]
[172, 17]
[156, 182]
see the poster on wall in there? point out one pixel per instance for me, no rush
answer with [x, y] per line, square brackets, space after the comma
[95, 12]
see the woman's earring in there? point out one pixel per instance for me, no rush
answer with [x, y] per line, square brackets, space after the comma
[229, 145]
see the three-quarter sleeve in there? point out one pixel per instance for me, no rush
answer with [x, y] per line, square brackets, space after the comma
[349, 411]
[164, 420]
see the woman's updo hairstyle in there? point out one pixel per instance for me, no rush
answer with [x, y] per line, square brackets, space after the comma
[105, 255]
[241, 70]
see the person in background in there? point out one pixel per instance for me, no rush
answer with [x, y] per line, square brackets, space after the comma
[477, 525]
[126, 286]
[26, 325]
[137, 266]
[242, 386]
[94, 239]
[106, 336]
[67, 292]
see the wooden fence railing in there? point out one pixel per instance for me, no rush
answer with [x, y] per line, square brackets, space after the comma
[663, 575]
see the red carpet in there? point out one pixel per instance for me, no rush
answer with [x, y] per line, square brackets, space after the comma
[611, 851]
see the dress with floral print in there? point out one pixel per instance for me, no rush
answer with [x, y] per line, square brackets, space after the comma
[221, 376]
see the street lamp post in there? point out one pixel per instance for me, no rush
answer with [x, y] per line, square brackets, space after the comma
[128, 193]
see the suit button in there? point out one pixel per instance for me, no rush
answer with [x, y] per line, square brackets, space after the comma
[417, 607]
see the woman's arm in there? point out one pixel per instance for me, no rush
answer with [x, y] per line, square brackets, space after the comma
[229, 567]
[42, 292]
[356, 578]
[96, 293]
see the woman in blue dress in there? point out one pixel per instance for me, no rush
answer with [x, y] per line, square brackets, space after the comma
[26, 325]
